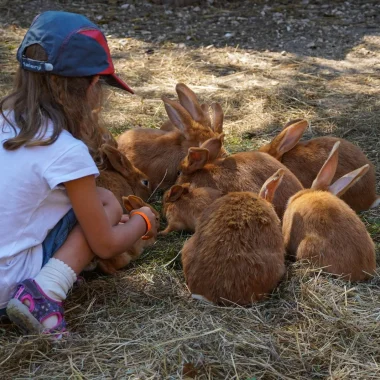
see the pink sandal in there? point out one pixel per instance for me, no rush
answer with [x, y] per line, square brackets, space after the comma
[30, 318]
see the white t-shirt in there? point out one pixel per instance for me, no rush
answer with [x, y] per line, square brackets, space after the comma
[32, 200]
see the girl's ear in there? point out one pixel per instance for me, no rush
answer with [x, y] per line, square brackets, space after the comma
[94, 81]
[340, 186]
[93, 95]
[270, 186]
[327, 172]
[132, 202]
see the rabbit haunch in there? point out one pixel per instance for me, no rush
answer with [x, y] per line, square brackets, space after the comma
[305, 159]
[236, 255]
[245, 171]
[320, 227]
[159, 152]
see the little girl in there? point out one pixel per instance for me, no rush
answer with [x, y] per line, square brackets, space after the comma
[53, 217]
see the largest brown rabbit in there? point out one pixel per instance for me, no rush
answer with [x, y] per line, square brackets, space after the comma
[320, 227]
[306, 158]
[121, 177]
[236, 255]
[246, 171]
[158, 153]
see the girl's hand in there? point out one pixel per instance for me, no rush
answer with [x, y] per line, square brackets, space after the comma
[152, 219]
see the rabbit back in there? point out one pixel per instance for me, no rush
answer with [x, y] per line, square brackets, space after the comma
[320, 227]
[307, 157]
[237, 253]
[246, 171]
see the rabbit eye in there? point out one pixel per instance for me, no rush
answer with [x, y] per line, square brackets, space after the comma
[145, 182]
[179, 173]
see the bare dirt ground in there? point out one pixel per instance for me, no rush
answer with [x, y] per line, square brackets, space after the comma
[266, 62]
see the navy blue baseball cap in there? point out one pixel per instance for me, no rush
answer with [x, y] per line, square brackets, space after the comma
[75, 47]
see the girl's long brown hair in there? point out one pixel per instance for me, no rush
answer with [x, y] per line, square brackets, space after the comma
[64, 100]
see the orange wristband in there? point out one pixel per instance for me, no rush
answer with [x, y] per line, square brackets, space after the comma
[147, 221]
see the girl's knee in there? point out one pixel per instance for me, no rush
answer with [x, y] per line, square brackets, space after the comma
[105, 195]
[111, 205]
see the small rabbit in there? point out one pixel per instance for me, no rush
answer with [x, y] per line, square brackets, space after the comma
[245, 171]
[120, 176]
[305, 159]
[111, 266]
[320, 227]
[183, 205]
[236, 255]
[157, 153]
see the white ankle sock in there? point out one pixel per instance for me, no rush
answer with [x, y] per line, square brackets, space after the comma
[55, 279]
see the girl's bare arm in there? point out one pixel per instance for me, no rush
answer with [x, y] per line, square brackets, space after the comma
[105, 239]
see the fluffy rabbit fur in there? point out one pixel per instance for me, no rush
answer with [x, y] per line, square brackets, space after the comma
[236, 255]
[320, 227]
[159, 152]
[246, 171]
[120, 176]
[305, 159]
[183, 205]
[111, 266]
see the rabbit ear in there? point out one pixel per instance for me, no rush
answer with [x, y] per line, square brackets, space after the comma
[168, 126]
[205, 108]
[340, 186]
[290, 122]
[206, 115]
[327, 172]
[118, 161]
[175, 193]
[196, 159]
[214, 146]
[178, 116]
[287, 139]
[131, 202]
[189, 101]
[217, 117]
[271, 184]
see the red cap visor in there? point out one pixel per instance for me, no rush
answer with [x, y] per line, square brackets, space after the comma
[115, 81]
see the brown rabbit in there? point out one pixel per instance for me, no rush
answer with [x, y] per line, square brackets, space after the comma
[305, 159]
[159, 152]
[183, 205]
[236, 255]
[246, 171]
[320, 227]
[121, 177]
[111, 266]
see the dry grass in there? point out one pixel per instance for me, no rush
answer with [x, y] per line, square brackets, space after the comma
[142, 324]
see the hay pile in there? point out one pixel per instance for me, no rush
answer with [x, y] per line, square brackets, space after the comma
[142, 324]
